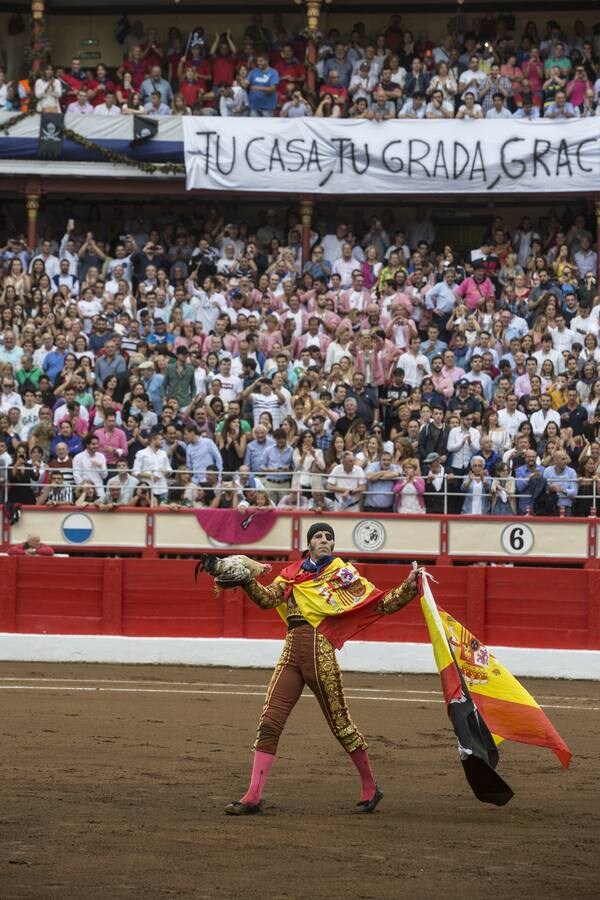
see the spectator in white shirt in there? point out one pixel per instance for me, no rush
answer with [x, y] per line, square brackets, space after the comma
[90, 465]
[109, 107]
[414, 108]
[463, 444]
[362, 83]
[345, 265]
[414, 364]
[347, 481]
[438, 108]
[233, 100]
[9, 398]
[48, 91]
[469, 109]
[51, 263]
[472, 79]
[510, 417]
[542, 416]
[548, 352]
[498, 110]
[152, 465]
[562, 337]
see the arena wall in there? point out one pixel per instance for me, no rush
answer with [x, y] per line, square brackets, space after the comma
[546, 621]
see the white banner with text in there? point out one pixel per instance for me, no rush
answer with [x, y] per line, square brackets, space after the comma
[356, 156]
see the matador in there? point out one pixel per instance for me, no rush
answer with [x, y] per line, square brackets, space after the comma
[323, 601]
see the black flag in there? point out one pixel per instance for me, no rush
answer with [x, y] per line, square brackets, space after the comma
[476, 746]
[478, 752]
[52, 133]
[144, 129]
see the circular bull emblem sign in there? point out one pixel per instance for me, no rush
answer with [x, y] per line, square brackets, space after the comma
[369, 535]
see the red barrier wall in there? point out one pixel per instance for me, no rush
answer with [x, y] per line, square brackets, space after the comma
[522, 607]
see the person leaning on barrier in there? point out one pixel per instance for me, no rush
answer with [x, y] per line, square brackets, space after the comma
[347, 482]
[476, 486]
[31, 547]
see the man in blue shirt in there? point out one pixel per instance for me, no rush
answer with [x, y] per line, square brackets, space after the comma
[277, 466]
[159, 338]
[262, 88]
[381, 477]
[54, 361]
[256, 451]
[155, 82]
[562, 480]
[200, 453]
[526, 478]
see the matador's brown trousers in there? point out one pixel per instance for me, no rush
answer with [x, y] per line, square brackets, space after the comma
[307, 658]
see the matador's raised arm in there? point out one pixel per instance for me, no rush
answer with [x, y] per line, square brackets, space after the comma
[399, 596]
[267, 597]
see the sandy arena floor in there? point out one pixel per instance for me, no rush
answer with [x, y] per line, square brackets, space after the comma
[114, 780]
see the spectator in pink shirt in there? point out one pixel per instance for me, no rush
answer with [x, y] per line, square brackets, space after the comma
[476, 289]
[112, 441]
[577, 87]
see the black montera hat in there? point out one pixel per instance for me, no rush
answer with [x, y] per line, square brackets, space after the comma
[319, 526]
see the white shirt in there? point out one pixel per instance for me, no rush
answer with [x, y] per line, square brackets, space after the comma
[461, 450]
[352, 481]
[28, 420]
[555, 358]
[51, 264]
[261, 403]
[540, 419]
[157, 463]
[88, 309]
[232, 106]
[332, 247]
[415, 368]
[208, 309]
[479, 77]
[494, 113]
[231, 387]
[466, 115]
[476, 497]
[562, 340]
[103, 110]
[8, 400]
[344, 268]
[584, 325]
[90, 467]
[511, 421]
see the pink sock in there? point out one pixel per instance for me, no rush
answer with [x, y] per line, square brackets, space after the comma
[260, 772]
[360, 758]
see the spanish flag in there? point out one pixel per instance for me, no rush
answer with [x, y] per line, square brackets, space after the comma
[482, 694]
[335, 599]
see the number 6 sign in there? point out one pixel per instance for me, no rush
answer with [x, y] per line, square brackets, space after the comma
[517, 539]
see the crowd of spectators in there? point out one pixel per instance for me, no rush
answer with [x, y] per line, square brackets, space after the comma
[208, 366]
[490, 72]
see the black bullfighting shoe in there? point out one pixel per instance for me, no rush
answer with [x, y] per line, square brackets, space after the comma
[237, 808]
[367, 806]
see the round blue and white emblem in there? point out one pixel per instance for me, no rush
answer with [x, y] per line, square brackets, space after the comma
[77, 528]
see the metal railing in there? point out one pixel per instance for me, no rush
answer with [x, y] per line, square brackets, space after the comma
[451, 499]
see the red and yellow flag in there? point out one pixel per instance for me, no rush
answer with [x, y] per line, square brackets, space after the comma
[336, 600]
[509, 711]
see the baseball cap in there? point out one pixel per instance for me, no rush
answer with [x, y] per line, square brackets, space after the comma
[463, 382]
[431, 457]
